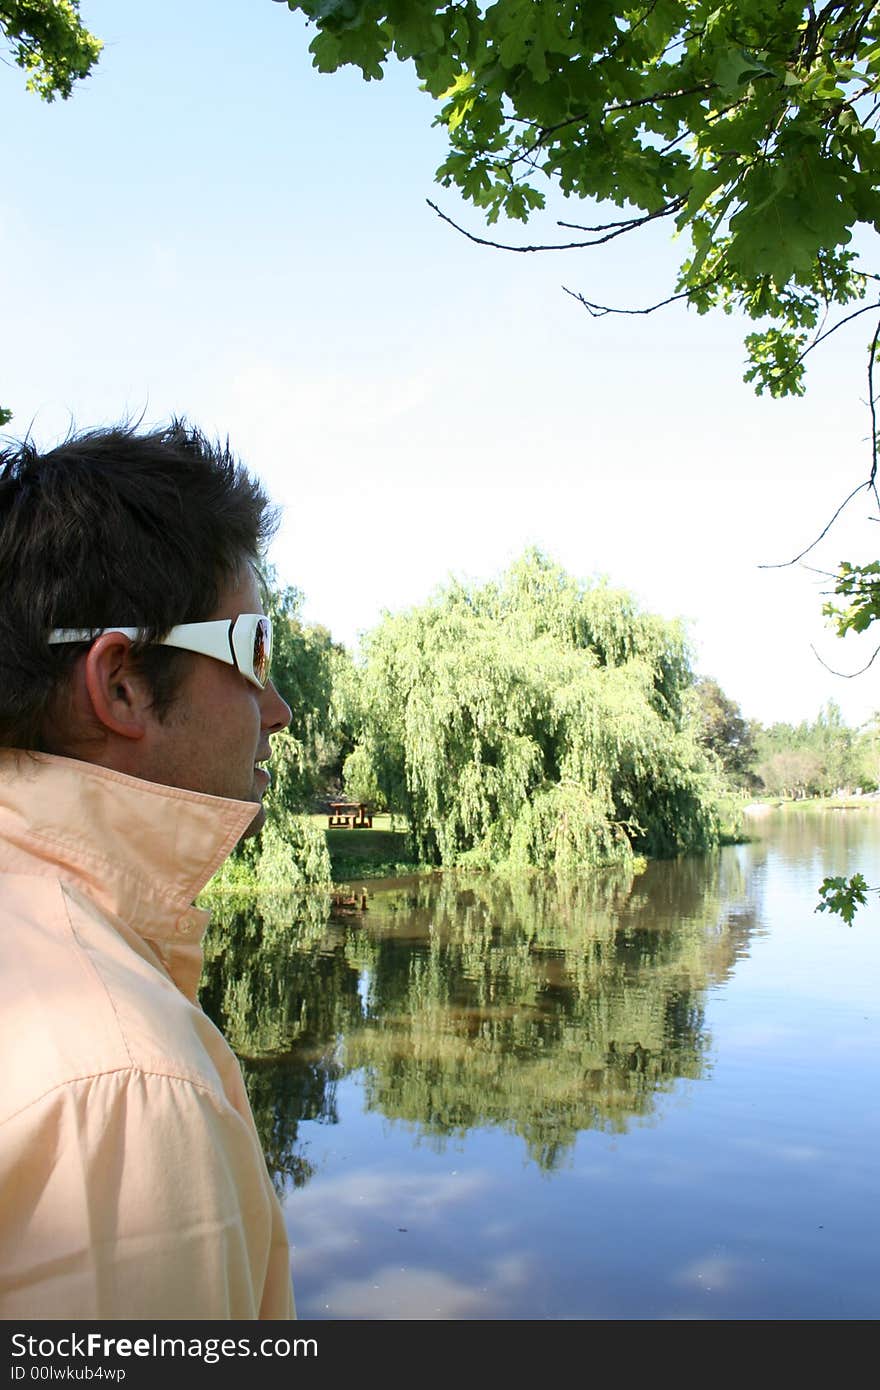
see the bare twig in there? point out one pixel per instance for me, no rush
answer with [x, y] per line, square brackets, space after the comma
[643, 18]
[598, 311]
[783, 564]
[628, 223]
[847, 675]
[870, 484]
[557, 246]
[866, 309]
[872, 404]
[671, 144]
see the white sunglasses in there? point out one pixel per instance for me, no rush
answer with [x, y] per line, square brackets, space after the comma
[244, 642]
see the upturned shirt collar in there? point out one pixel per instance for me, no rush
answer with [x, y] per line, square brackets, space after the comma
[140, 851]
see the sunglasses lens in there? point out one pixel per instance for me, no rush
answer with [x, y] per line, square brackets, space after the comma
[262, 650]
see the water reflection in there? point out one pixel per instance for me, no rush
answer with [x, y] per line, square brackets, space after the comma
[538, 1007]
[534, 1006]
[281, 990]
[818, 842]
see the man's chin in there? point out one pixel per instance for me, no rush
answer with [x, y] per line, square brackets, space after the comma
[262, 780]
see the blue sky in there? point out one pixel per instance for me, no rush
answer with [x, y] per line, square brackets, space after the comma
[210, 228]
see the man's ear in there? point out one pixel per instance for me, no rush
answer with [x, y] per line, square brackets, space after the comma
[118, 695]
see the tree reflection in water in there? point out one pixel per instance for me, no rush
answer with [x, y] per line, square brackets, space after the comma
[278, 985]
[541, 1006]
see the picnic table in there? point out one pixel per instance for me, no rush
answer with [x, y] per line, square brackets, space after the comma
[345, 815]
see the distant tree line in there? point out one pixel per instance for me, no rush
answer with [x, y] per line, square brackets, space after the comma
[789, 760]
[820, 758]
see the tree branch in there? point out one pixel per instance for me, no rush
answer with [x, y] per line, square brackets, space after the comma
[619, 230]
[847, 675]
[598, 311]
[643, 18]
[628, 223]
[872, 403]
[545, 131]
[866, 309]
[783, 564]
[870, 484]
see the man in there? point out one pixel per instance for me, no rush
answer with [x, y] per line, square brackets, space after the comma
[135, 716]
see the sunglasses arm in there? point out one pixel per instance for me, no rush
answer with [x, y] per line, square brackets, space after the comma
[208, 639]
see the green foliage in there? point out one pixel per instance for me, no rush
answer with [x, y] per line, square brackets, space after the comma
[536, 722]
[843, 896]
[814, 759]
[725, 734]
[751, 125]
[49, 41]
[280, 997]
[353, 872]
[868, 754]
[253, 959]
[359, 778]
[304, 659]
[356, 855]
[290, 854]
[861, 585]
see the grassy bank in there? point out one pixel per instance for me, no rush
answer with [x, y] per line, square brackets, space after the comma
[819, 803]
[381, 852]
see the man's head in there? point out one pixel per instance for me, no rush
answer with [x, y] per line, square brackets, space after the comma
[144, 531]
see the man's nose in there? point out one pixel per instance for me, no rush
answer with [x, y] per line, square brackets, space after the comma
[276, 711]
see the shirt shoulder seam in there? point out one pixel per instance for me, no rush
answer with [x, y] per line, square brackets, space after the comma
[132, 1071]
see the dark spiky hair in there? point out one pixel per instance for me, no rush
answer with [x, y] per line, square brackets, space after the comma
[113, 526]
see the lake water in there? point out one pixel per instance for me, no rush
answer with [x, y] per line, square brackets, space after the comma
[638, 1097]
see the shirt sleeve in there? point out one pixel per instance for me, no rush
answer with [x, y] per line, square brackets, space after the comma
[131, 1195]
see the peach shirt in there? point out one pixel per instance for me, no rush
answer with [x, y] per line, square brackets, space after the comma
[132, 1183]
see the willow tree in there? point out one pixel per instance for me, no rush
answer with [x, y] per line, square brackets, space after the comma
[535, 721]
[304, 659]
